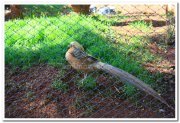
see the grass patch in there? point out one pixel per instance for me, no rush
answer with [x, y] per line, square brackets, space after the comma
[59, 85]
[45, 40]
[44, 10]
[141, 25]
[109, 20]
[30, 95]
[129, 90]
[87, 83]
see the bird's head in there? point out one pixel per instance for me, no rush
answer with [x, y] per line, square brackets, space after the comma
[75, 44]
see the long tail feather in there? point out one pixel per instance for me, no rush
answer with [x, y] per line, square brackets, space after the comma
[126, 77]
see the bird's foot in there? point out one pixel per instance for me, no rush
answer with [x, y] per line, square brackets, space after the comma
[85, 76]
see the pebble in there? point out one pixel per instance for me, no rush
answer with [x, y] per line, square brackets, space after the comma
[116, 103]
[161, 110]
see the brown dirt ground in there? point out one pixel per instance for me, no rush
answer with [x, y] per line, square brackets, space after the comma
[157, 34]
[29, 95]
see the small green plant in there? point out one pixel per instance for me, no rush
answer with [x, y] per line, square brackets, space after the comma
[129, 90]
[89, 109]
[171, 29]
[59, 85]
[141, 25]
[109, 20]
[87, 83]
[108, 93]
[44, 10]
[29, 94]
[78, 103]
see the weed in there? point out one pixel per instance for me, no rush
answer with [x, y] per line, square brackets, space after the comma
[108, 93]
[109, 20]
[61, 73]
[59, 85]
[87, 83]
[170, 39]
[129, 90]
[78, 103]
[44, 10]
[89, 110]
[141, 25]
[30, 95]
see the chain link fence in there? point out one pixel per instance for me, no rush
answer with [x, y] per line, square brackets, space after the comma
[40, 83]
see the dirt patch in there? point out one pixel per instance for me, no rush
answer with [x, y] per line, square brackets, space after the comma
[29, 95]
[155, 23]
[157, 34]
[141, 9]
[167, 65]
[123, 29]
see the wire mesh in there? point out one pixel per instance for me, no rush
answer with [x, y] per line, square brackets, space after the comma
[40, 83]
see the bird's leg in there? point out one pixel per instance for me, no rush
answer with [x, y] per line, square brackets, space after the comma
[85, 76]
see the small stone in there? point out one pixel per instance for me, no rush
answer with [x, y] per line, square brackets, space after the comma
[161, 110]
[172, 81]
[116, 103]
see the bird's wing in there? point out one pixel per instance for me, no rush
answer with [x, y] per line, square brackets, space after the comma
[81, 55]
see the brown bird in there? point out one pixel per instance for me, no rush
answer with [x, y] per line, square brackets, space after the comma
[80, 60]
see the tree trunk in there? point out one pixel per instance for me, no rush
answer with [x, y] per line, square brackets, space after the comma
[84, 9]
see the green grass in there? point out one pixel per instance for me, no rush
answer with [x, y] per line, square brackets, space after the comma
[59, 85]
[141, 25]
[44, 10]
[87, 83]
[45, 39]
[30, 95]
[109, 20]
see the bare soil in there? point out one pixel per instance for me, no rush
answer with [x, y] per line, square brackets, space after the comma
[29, 94]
